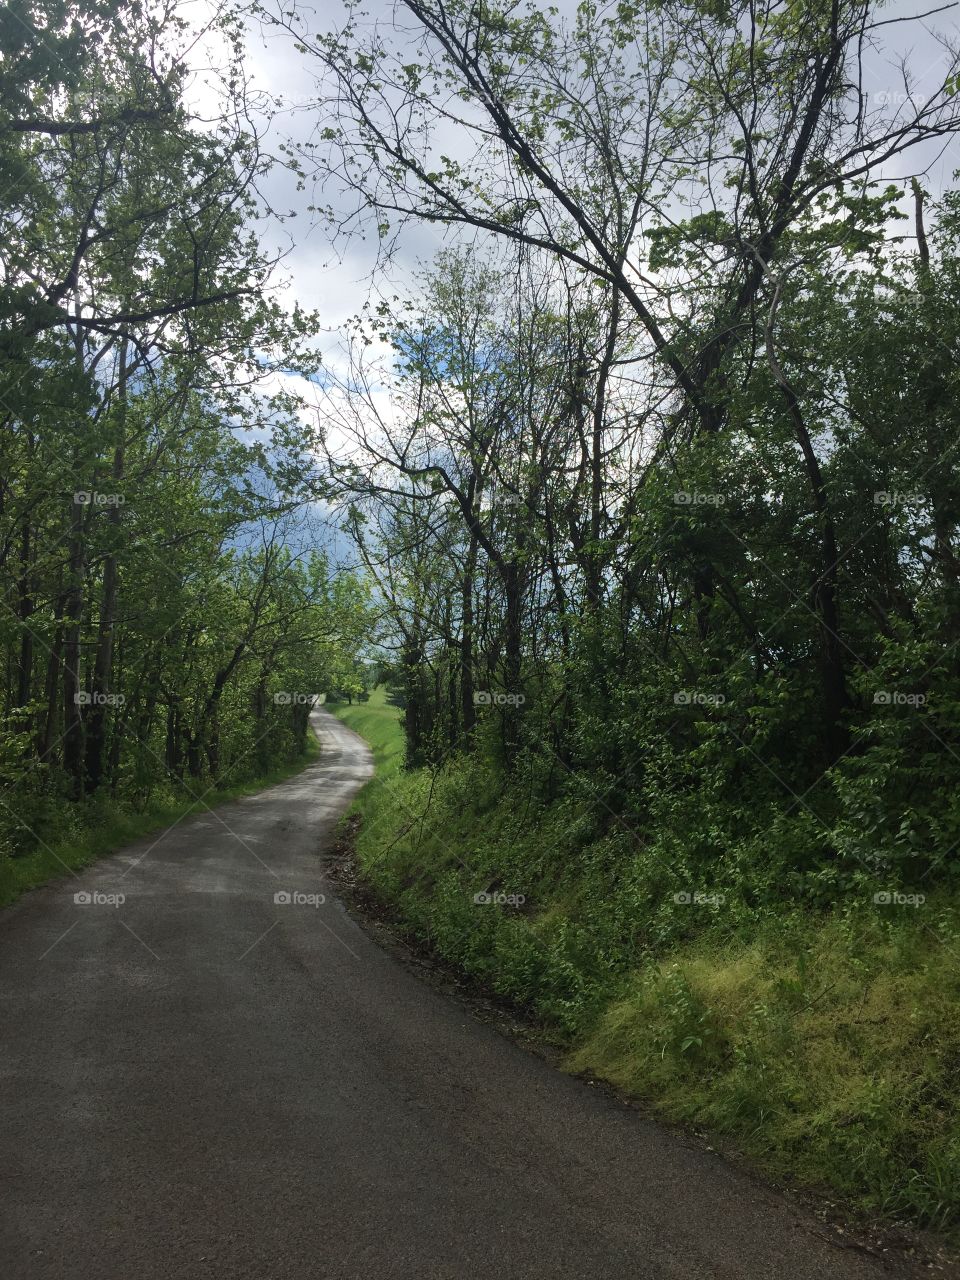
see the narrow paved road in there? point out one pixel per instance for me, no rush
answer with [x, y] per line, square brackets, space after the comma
[203, 1082]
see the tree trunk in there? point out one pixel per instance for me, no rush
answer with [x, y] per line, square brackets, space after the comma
[25, 607]
[103, 661]
[73, 613]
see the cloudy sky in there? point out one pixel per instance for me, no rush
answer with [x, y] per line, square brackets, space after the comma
[337, 281]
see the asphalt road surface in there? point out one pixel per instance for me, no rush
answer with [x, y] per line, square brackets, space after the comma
[203, 1081]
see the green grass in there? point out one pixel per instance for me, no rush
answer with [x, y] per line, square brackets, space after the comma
[828, 1048]
[825, 1043]
[113, 828]
[380, 724]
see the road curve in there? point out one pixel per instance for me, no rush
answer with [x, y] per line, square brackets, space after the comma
[203, 1082]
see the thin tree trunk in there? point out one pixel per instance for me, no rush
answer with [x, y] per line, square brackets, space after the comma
[467, 686]
[73, 614]
[833, 677]
[103, 661]
[25, 607]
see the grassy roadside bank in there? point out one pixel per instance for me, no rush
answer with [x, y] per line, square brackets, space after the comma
[825, 1045]
[110, 829]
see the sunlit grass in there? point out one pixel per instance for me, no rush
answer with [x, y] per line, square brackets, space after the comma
[379, 722]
